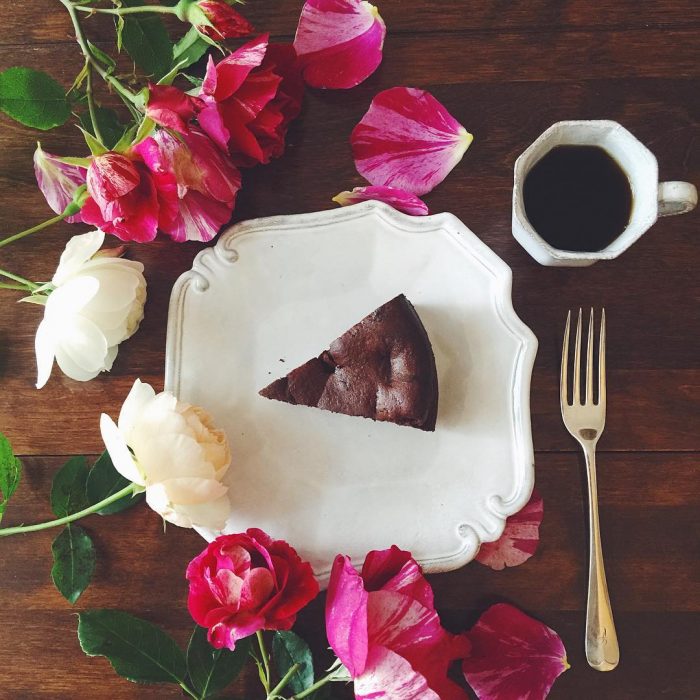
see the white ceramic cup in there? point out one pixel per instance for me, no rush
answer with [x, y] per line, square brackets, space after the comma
[650, 198]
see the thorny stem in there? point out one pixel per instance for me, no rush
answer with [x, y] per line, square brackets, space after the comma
[34, 229]
[80, 38]
[126, 491]
[27, 283]
[91, 102]
[265, 659]
[312, 688]
[119, 11]
[285, 679]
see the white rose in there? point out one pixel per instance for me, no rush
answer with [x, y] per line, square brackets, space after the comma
[97, 303]
[173, 451]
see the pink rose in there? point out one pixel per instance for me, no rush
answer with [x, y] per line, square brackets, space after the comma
[170, 107]
[130, 195]
[383, 626]
[250, 97]
[218, 20]
[244, 583]
[207, 184]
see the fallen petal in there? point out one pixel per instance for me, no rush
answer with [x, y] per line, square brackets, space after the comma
[408, 140]
[399, 199]
[513, 657]
[519, 539]
[339, 42]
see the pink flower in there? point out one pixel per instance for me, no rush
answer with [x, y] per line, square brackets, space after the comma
[408, 140]
[399, 199]
[339, 42]
[513, 656]
[249, 99]
[383, 626]
[218, 20]
[244, 583]
[170, 107]
[207, 184]
[131, 195]
[519, 539]
[58, 181]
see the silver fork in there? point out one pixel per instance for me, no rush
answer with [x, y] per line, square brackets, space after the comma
[585, 420]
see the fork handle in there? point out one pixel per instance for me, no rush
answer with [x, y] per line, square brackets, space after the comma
[602, 651]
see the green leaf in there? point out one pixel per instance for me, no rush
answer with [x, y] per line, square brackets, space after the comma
[189, 49]
[73, 562]
[289, 649]
[147, 42]
[108, 123]
[105, 59]
[10, 473]
[104, 481]
[137, 649]
[211, 670]
[33, 98]
[97, 148]
[68, 488]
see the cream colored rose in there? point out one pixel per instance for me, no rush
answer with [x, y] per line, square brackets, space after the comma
[97, 302]
[174, 452]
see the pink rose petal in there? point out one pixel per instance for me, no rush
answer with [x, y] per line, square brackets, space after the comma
[57, 181]
[513, 657]
[399, 199]
[339, 42]
[389, 676]
[519, 539]
[346, 615]
[408, 140]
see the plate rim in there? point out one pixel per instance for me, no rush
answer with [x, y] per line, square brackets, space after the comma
[224, 251]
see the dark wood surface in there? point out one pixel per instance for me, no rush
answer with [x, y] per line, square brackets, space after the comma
[506, 70]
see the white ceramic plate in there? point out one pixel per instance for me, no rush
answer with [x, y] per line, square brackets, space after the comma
[275, 292]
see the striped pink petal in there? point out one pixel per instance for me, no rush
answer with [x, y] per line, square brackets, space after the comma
[339, 42]
[399, 199]
[513, 657]
[57, 181]
[408, 140]
[519, 539]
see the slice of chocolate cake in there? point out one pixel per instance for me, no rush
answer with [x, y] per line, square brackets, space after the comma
[382, 368]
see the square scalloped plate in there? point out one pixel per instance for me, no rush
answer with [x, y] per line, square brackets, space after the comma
[275, 292]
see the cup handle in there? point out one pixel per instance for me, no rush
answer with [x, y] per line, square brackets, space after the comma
[676, 198]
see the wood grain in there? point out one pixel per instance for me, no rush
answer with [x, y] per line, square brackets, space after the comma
[506, 70]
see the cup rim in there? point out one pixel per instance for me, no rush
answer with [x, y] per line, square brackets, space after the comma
[520, 217]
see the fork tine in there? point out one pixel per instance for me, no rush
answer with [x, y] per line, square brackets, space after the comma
[563, 390]
[601, 362]
[589, 361]
[577, 363]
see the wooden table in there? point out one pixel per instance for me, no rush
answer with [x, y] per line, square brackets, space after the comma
[507, 70]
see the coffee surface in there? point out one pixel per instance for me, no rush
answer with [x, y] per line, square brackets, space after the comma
[578, 198]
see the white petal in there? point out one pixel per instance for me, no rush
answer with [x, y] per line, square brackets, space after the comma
[188, 491]
[170, 456]
[79, 250]
[70, 298]
[44, 347]
[141, 395]
[81, 344]
[211, 515]
[119, 452]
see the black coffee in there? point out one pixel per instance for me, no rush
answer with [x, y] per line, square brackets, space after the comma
[578, 198]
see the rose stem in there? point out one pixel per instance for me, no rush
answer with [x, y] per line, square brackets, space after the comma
[265, 659]
[6, 531]
[91, 102]
[285, 679]
[318, 684]
[163, 9]
[34, 229]
[80, 37]
[27, 284]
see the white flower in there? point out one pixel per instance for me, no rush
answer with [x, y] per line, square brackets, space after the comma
[174, 452]
[96, 304]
